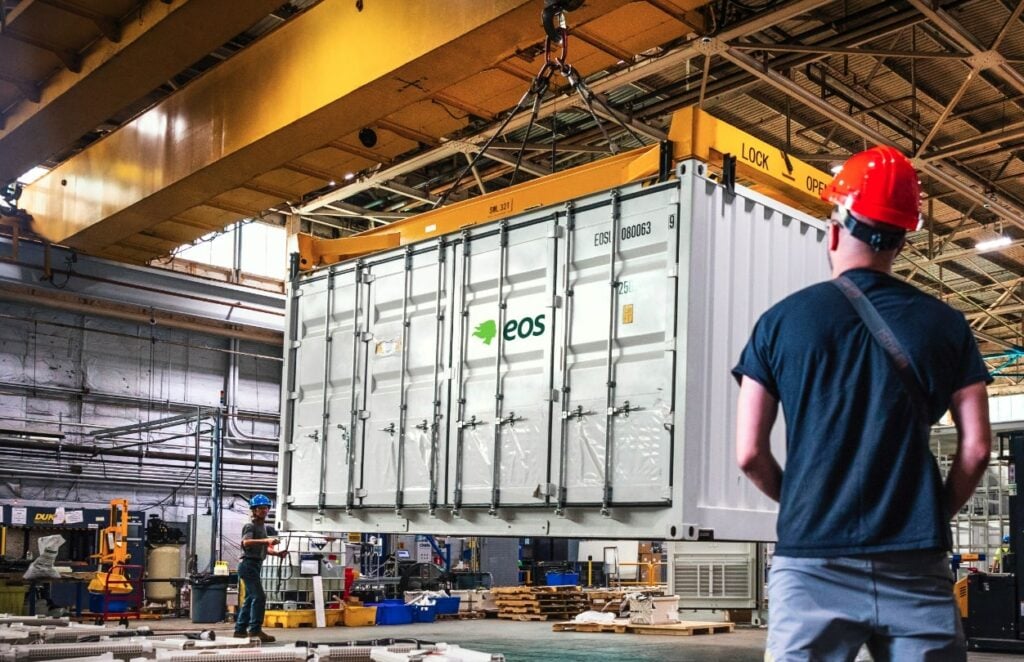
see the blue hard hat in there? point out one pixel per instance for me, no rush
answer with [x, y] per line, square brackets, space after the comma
[1006, 539]
[259, 500]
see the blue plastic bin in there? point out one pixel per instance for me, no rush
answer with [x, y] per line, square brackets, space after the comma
[393, 612]
[424, 613]
[114, 605]
[556, 578]
[448, 605]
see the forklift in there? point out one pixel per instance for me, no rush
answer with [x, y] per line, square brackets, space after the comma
[992, 604]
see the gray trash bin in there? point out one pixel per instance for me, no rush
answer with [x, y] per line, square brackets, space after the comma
[209, 599]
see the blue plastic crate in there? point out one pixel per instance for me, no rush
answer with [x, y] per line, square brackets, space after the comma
[393, 612]
[424, 613]
[114, 605]
[556, 578]
[448, 605]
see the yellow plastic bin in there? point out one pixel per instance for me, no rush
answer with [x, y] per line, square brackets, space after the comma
[357, 617]
[12, 600]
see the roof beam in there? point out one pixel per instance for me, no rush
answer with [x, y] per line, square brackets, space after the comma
[105, 24]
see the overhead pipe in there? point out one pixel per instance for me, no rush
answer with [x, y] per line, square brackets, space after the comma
[122, 465]
[231, 385]
[231, 401]
[111, 398]
[118, 334]
[144, 482]
[31, 444]
[95, 307]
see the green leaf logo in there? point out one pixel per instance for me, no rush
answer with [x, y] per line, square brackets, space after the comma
[486, 331]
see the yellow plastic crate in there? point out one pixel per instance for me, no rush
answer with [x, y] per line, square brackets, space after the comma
[334, 617]
[357, 617]
[295, 618]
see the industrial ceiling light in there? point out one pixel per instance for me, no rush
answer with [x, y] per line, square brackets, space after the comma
[992, 244]
[836, 168]
[368, 137]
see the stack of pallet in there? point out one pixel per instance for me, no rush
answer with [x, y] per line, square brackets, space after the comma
[540, 603]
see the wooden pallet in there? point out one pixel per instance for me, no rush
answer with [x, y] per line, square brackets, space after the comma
[503, 591]
[623, 626]
[539, 603]
[531, 617]
[684, 629]
[572, 626]
[462, 616]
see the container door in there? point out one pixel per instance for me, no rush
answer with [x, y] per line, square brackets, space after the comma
[617, 359]
[404, 376]
[504, 288]
[327, 312]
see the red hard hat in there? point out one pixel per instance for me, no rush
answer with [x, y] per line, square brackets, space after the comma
[881, 184]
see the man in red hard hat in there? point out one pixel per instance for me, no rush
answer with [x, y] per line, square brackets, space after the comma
[863, 365]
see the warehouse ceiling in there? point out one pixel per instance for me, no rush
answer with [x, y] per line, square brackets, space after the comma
[819, 79]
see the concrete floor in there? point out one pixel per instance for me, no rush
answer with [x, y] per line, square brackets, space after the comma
[535, 641]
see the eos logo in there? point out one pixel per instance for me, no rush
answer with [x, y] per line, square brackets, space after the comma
[524, 328]
[513, 329]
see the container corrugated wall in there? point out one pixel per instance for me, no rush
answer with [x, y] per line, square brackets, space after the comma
[564, 372]
[746, 253]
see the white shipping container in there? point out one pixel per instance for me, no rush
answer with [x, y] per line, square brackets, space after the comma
[564, 372]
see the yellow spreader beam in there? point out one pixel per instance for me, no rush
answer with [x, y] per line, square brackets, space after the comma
[693, 134]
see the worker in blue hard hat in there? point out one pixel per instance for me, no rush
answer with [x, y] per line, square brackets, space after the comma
[258, 540]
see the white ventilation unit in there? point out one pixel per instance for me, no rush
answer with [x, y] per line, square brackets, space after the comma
[714, 575]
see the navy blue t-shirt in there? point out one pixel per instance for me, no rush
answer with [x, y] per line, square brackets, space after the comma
[859, 476]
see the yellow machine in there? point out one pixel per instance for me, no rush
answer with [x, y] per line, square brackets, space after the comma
[113, 553]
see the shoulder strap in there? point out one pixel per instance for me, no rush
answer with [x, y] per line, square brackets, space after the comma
[885, 337]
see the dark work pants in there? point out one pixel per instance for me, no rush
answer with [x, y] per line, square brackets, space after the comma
[250, 615]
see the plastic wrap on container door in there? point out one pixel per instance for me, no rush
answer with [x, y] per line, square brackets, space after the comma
[417, 457]
[641, 450]
[390, 447]
[479, 441]
[586, 448]
[521, 466]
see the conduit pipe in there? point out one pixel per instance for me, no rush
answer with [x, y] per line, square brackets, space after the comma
[88, 306]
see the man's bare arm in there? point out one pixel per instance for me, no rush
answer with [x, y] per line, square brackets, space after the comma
[970, 414]
[756, 412]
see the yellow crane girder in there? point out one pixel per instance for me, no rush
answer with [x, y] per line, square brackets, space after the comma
[338, 67]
